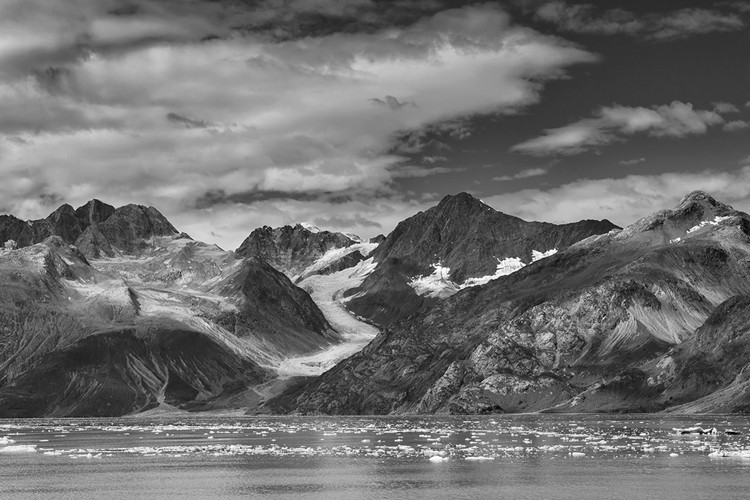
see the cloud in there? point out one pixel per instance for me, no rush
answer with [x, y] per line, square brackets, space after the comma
[159, 105]
[736, 125]
[187, 122]
[229, 223]
[392, 103]
[622, 200]
[725, 107]
[613, 123]
[634, 161]
[523, 174]
[682, 23]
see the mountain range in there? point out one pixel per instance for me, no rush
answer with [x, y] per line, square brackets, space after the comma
[460, 309]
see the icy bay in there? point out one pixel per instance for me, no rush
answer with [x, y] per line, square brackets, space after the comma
[519, 456]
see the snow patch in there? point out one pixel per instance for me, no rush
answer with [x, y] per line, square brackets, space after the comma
[536, 255]
[311, 227]
[717, 220]
[507, 266]
[438, 284]
[435, 285]
[333, 255]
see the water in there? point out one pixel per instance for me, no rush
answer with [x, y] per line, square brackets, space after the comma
[519, 457]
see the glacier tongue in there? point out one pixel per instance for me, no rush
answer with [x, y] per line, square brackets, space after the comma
[327, 292]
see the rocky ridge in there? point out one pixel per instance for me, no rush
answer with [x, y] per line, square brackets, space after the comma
[458, 243]
[291, 249]
[631, 320]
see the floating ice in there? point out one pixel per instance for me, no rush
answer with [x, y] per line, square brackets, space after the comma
[19, 448]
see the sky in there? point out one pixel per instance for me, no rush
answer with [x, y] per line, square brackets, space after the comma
[352, 115]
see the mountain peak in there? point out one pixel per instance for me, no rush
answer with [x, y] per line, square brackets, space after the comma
[696, 210]
[462, 198]
[94, 211]
[699, 197]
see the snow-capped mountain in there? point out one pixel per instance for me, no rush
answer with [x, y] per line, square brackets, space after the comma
[136, 315]
[457, 244]
[648, 318]
[292, 249]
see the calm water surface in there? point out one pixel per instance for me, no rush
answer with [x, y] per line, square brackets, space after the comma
[515, 457]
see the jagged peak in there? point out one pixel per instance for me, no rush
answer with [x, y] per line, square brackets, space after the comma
[310, 227]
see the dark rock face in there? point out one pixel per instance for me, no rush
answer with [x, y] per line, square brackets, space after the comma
[460, 233]
[94, 212]
[111, 374]
[275, 310]
[129, 225]
[96, 228]
[628, 321]
[10, 228]
[290, 249]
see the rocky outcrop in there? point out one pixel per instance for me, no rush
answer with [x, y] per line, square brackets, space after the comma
[291, 249]
[464, 236]
[129, 226]
[625, 321]
[96, 228]
[274, 310]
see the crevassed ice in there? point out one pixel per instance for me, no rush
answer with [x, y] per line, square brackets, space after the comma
[335, 254]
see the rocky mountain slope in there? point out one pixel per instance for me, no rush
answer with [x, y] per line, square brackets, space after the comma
[95, 228]
[635, 320]
[150, 318]
[291, 249]
[459, 243]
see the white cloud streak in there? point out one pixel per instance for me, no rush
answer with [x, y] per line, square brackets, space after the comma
[623, 200]
[523, 174]
[614, 123]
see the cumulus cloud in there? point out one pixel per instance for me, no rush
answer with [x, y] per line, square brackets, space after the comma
[725, 107]
[623, 200]
[588, 19]
[613, 123]
[142, 101]
[736, 125]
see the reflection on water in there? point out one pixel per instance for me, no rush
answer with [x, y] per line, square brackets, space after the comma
[519, 456]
